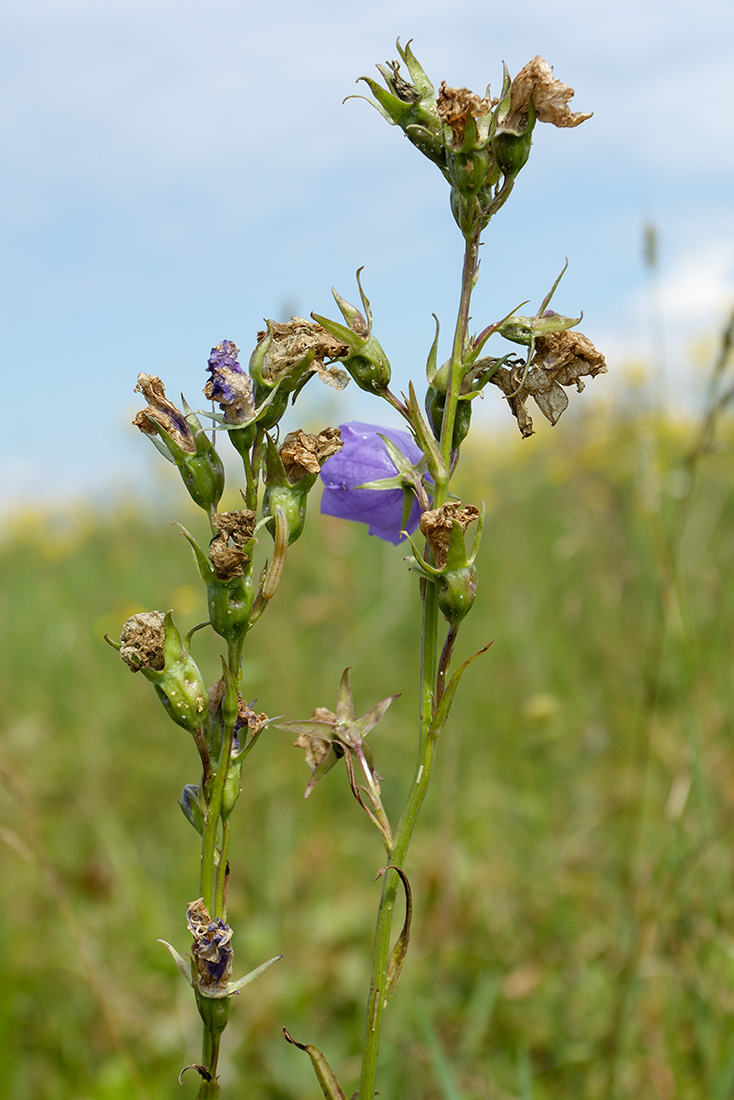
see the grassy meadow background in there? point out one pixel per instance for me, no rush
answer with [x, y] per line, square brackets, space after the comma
[573, 876]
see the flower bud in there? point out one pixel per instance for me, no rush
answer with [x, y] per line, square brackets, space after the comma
[435, 407]
[183, 441]
[190, 803]
[151, 644]
[231, 791]
[364, 359]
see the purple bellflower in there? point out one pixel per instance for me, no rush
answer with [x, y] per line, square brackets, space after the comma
[364, 458]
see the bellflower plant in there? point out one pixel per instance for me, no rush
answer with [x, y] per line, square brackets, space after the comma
[397, 481]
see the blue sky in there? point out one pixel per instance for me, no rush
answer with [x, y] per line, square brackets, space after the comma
[174, 172]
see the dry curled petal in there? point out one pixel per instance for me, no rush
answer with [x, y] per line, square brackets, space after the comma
[315, 749]
[303, 454]
[453, 105]
[550, 97]
[226, 549]
[290, 344]
[163, 412]
[560, 359]
[438, 523]
[211, 948]
[142, 639]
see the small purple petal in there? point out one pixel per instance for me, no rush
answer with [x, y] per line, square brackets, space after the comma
[225, 355]
[364, 458]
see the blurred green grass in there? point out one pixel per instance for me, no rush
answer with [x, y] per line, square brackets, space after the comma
[572, 875]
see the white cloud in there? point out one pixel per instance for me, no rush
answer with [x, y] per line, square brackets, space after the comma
[700, 285]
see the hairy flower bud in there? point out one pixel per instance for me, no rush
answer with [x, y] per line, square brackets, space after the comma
[364, 358]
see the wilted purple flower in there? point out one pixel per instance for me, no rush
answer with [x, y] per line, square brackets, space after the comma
[229, 386]
[364, 458]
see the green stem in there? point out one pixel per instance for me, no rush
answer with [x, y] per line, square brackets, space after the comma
[429, 687]
[468, 277]
[211, 883]
[209, 1090]
[220, 908]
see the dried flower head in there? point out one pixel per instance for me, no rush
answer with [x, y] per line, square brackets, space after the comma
[303, 454]
[560, 359]
[211, 948]
[142, 641]
[227, 553]
[283, 348]
[229, 385]
[162, 411]
[550, 98]
[455, 104]
[437, 526]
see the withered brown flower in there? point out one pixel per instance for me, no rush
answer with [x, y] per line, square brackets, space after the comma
[437, 525]
[560, 359]
[550, 98]
[304, 454]
[291, 342]
[163, 412]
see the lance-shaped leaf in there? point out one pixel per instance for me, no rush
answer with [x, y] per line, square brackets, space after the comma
[325, 1075]
[442, 711]
[400, 950]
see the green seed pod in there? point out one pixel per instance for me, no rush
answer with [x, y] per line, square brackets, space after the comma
[275, 409]
[435, 405]
[456, 592]
[214, 1011]
[293, 502]
[231, 790]
[230, 606]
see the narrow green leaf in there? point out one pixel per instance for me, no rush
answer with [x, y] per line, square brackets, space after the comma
[444, 707]
[325, 1075]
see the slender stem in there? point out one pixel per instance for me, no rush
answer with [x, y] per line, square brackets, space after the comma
[212, 890]
[209, 1090]
[429, 688]
[220, 906]
[468, 278]
[377, 1000]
